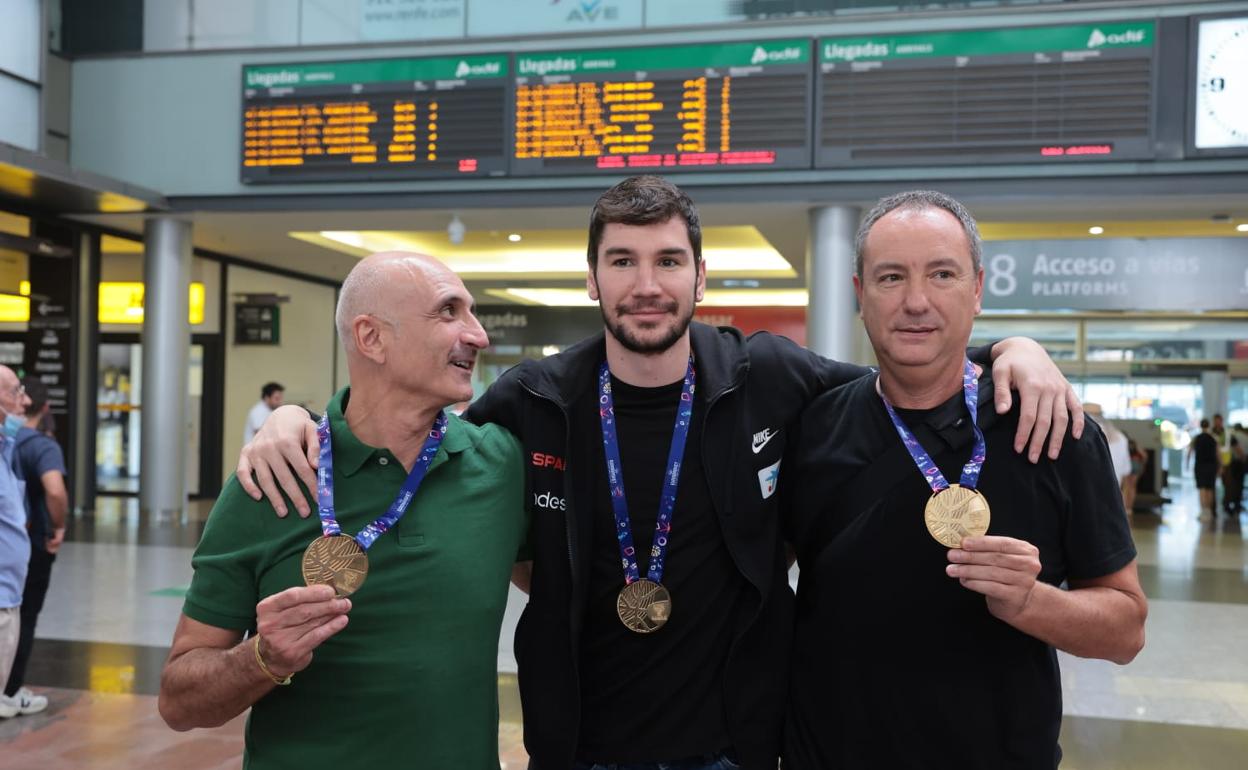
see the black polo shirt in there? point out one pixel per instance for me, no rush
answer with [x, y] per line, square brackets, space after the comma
[895, 664]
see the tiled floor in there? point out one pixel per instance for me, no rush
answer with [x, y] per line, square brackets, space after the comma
[116, 595]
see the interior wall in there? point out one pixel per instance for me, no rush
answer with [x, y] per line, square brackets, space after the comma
[303, 361]
[172, 122]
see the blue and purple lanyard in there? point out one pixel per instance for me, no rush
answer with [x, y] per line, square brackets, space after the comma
[671, 479]
[325, 484]
[970, 471]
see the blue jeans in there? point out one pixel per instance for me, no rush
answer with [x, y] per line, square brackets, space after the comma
[716, 762]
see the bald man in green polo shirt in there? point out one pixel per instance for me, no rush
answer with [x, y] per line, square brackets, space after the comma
[395, 655]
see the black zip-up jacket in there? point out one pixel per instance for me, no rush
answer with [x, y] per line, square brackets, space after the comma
[755, 388]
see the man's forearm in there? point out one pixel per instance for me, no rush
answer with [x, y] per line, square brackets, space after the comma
[208, 687]
[1093, 622]
[58, 509]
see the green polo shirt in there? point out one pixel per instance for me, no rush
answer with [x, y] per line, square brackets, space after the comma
[412, 680]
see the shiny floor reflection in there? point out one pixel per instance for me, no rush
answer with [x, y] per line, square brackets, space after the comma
[118, 585]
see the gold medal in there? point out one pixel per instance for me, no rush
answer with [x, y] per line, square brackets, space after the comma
[643, 606]
[338, 561]
[955, 513]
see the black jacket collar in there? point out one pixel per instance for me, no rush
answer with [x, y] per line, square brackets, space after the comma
[720, 353]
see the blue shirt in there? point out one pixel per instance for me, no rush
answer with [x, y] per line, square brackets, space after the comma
[38, 453]
[14, 540]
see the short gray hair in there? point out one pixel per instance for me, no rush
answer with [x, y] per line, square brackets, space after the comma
[358, 296]
[919, 200]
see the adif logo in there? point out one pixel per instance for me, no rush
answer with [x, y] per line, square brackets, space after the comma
[1099, 38]
[767, 479]
[763, 56]
[478, 70]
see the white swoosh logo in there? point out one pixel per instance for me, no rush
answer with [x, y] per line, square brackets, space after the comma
[757, 446]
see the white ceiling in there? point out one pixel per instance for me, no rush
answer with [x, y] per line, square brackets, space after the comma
[261, 236]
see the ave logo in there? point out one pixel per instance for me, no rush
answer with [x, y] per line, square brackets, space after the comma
[590, 10]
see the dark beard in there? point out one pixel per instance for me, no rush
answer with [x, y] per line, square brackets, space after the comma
[635, 345]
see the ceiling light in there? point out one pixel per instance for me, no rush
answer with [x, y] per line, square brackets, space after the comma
[731, 252]
[1242, 228]
[514, 237]
[1096, 229]
[714, 297]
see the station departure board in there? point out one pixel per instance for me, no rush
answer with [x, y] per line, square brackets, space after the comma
[691, 107]
[1040, 94]
[375, 120]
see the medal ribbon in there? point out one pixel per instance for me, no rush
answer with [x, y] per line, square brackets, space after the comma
[970, 471]
[325, 484]
[615, 477]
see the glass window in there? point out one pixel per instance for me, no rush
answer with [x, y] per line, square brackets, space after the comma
[20, 35]
[19, 120]
[1237, 403]
[1059, 338]
[1165, 340]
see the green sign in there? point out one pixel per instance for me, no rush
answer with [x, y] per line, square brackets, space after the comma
[762, 54]
[375, 71]
[989, 42]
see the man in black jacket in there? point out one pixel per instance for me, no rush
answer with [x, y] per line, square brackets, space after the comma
[660, 614]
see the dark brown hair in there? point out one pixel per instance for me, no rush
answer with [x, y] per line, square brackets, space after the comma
[643, 200]
[37, 392]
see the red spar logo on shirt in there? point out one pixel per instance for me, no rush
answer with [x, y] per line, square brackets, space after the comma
[543, 460]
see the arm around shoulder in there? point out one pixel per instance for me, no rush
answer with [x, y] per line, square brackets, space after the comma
[500, 403]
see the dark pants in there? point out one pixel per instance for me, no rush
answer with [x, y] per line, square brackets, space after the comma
[1233, 486]
[37, 578]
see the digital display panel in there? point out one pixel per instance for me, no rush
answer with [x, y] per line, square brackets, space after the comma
[375, 120]
[1042, 94]
[694, 107]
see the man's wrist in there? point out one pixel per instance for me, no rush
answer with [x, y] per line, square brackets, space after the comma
[278, 680]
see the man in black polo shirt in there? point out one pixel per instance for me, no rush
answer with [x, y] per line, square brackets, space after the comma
[916, 648]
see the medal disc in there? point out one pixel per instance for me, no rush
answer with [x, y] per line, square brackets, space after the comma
[955, 513]
[337, 561]
[643, 606]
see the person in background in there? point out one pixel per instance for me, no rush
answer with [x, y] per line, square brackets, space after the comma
[14, 540]
[1233, 478]
[1119, 445]
[1130, 484]
[42, 464]
[1207, 462]
[271, 396]
[1218, 429]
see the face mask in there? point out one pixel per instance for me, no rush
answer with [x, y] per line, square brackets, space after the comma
[12, 424]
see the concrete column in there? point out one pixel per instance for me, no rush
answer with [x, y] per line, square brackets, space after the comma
[1215, 387]
[832, 315]
[86, 359]
[166, 352]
